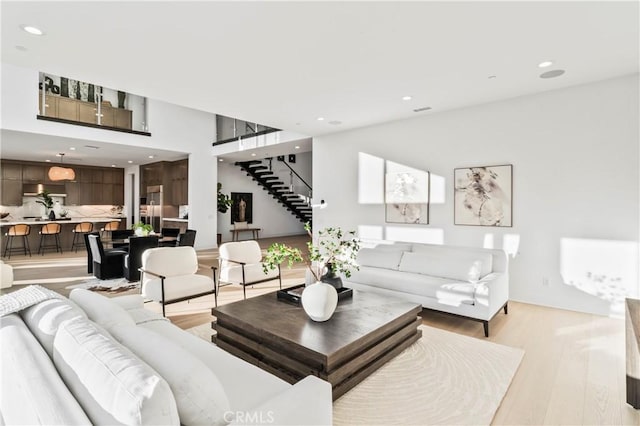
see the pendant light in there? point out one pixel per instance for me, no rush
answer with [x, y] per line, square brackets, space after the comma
[61, 173]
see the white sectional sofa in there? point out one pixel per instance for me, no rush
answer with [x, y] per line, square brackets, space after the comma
[94, 360]
[465, 281]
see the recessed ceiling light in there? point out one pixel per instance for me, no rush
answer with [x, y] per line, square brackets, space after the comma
[32, 30]
[297, 147]
[253, 154]
[406, 98]
[48, 161]
[552, 74]
[113, 165]
[545, 64]
[72, 148]
[320, 118]
[130, 162]
[151, 156]
[220, 160]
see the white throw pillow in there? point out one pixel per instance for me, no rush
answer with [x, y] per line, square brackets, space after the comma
[200, 397]
[387, 259]
[442, 265]
[44, 318]
[101, 309]
[112, 385]
[460, 254]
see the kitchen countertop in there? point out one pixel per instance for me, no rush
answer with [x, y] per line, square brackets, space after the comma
[73, 220]
[175, 219]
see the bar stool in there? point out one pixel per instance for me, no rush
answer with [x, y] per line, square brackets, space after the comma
[78, 234]
[111, 226]
[20, 230]
[50, 230]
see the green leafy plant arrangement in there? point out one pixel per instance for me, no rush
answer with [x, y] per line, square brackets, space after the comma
[144, 226]
[334, 249]
[224, 201]
[45, 199]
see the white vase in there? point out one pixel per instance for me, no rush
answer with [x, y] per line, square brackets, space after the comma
[319, 301]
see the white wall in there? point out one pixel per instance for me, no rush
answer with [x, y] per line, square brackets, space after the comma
[575, 159]
[172, 127]
[268, 214]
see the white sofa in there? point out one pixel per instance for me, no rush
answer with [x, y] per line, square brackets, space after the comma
[94, 360]
[465, 281]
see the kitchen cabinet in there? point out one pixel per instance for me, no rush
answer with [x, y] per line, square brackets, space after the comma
[33, 173]
[118, 194]
[11, 171]
[11, 192]
[72, 190]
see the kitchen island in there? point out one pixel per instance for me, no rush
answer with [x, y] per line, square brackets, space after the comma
[66, 234]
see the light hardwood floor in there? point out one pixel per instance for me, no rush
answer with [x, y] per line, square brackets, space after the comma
[573, 371]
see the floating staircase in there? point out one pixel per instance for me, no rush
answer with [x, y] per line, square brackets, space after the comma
[271, 183]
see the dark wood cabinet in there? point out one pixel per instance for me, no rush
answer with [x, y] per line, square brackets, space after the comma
[92, 185]
[33, 173]
[173, 176]
[73, 193]
[11, 171]
[11, 192]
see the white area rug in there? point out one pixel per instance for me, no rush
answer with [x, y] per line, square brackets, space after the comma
[443, 379]
[116, 285]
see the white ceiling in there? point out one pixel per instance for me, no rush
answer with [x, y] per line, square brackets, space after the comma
[284, 64]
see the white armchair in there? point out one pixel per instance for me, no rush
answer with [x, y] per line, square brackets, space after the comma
[6, 275]
[168, 275]
[241, 263]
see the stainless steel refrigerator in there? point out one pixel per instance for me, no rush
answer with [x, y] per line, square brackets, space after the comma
[154, 207]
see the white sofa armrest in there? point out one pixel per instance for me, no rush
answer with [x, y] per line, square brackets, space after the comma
[308, 402]
[492, 292]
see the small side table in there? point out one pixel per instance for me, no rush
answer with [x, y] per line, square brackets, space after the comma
[255, 232]
[632, 333]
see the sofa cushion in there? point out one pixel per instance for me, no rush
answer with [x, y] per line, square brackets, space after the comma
[446, 290]
[169, 261]
[200, 398]
[44, 318]
[379, 258]
[177, 286]
[101, 309]
[31, 390]
[459, 266]
[241, 251]
[112, 385]
[246, 385]
[461, 255]
[252, 273]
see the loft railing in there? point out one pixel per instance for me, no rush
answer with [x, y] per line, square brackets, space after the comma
[231, 129]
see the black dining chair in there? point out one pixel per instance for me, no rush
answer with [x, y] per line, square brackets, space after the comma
[172, 233]
[188, 238]
[118, 236]
[133, 260]
[89, 254]
[107, 263]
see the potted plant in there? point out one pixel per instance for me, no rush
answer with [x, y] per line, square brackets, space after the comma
[45, 199]
[142, 229]
[224, 201]
[334, 251]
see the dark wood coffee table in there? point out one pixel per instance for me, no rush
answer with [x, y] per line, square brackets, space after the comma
[364, 333]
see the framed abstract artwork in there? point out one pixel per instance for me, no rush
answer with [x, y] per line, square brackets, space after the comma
[483, 196]
[407, 197]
